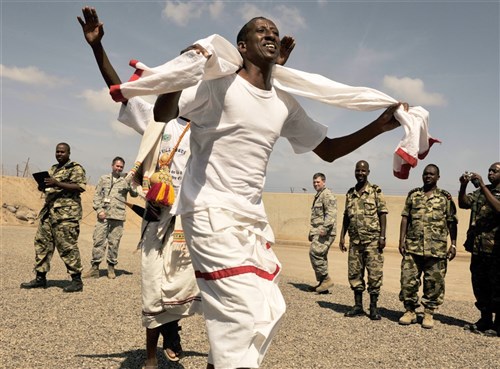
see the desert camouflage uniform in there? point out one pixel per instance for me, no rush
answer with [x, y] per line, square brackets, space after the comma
[323, 218]
[426, 247]
[485, 260]
[59, 220]
[363, 211]
[109, 197]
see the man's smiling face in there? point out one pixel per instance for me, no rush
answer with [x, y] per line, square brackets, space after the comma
[262, 42]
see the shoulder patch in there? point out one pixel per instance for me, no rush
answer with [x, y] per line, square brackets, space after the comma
[446, 193]
[376, 188]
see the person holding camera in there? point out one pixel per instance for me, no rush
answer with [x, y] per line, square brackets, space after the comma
[109, 203]
[428, 217]
[483, 242]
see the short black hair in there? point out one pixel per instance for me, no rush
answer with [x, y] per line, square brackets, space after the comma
[242, 35]
[321, 175]
[118, 158]
[432, 165]
[64, 144]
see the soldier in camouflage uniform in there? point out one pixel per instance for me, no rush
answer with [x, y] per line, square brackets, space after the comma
[322, 232]
[59, 221]
[483, 241]
[427, 219]
[109, 203]
[365, 220]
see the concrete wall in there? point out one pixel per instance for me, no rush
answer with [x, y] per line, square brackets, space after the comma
[289, 216]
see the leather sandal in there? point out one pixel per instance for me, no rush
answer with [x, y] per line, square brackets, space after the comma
[172, 355]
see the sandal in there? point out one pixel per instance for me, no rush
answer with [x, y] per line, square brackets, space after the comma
[172, 355]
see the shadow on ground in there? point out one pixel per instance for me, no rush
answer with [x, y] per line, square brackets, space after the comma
[134, 359]
[301, 286]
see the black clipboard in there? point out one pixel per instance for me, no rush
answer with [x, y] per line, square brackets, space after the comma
[40, 179]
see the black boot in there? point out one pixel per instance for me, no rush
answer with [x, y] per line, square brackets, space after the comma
[76, 284]
[374, 315]
[357, 310]
[39, 282]
[494, 330]
[485, 322]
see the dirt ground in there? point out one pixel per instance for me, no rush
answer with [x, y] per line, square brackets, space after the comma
[100, 328]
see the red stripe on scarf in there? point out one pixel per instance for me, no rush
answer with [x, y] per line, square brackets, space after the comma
[231, 272]
[432, 141]
[116, 93]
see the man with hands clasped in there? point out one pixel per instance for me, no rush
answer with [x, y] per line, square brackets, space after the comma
[428, 217]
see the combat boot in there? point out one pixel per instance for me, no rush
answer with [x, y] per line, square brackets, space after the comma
[409, 317]
[93, 272]
[357, 310]
[76, 284]
[374, 315]
[428, 322]
[325, 284]
[313, 288]
[111, 271]
[485, 322]
[494, 331]
[39, 282]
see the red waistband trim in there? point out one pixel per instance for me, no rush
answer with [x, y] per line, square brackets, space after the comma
[231, 272]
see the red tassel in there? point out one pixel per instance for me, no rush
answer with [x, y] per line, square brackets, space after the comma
[153, 192]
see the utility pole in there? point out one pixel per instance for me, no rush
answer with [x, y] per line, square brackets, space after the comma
[26, 168]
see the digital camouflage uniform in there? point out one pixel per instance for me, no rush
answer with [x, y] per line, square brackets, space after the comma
[323, 217]
[109, 197]
[426, 247]
[59, 220]
[485, 260]
[363, 211]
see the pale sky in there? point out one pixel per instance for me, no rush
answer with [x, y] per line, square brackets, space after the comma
[443, 56]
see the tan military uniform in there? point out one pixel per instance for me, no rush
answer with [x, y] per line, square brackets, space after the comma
[110, 195]
[323, 218]
[426, 247]
[59, 220]
[363, 211]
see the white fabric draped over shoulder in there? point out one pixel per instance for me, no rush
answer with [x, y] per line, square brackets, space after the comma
[189, 68]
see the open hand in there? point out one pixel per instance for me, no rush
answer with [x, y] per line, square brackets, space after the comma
[92, 29]
[287, 45]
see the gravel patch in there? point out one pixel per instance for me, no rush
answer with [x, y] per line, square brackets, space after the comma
[100, 328]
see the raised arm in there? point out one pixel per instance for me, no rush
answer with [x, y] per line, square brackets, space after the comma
[93, 32]
[492, 200]
[331, 149]
[463, 199]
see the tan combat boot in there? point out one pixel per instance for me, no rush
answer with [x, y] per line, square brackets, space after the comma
[409, 317]
[325, 284]
[111, 271]
[92, 272]
[428, 321]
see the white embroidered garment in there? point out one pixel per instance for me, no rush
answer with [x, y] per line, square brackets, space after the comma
[189, 68]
